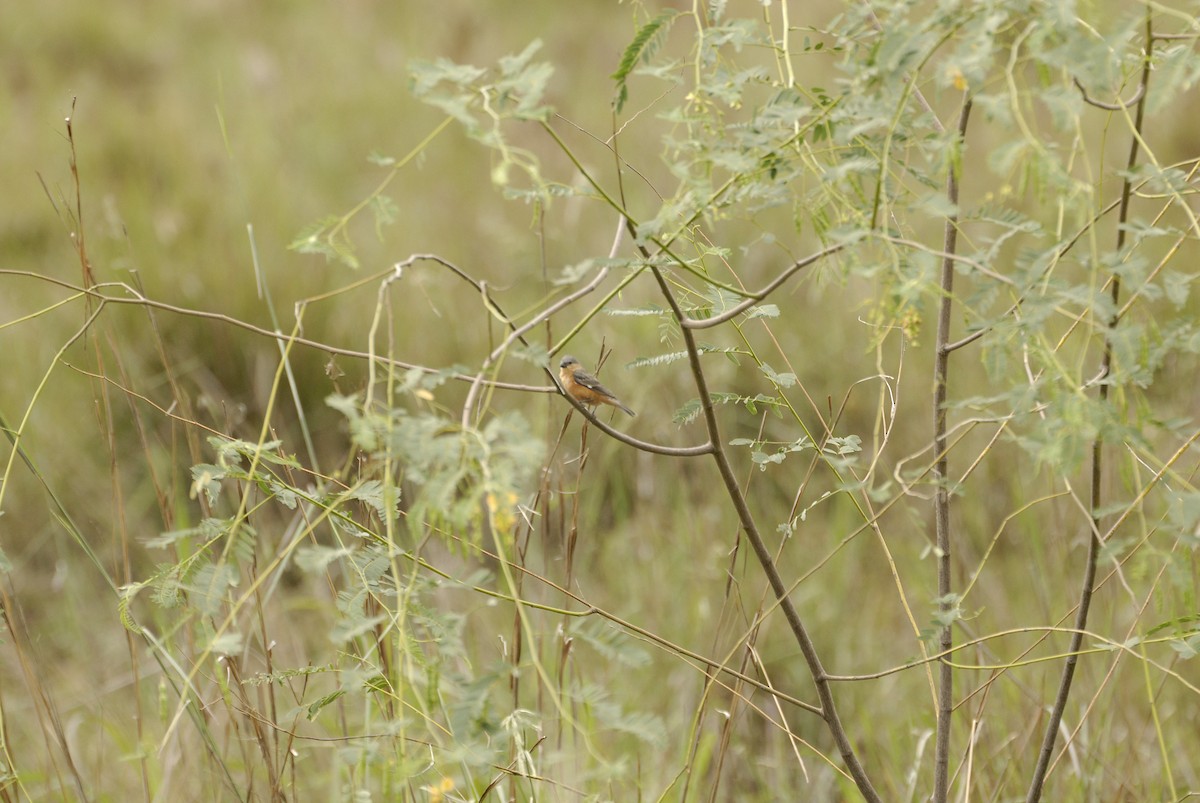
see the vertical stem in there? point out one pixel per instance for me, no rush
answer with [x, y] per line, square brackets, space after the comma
[941, 499]
[750, 527]
[1093, 553]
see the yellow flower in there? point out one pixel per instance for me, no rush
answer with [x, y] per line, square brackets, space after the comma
[957, 78]
[504, 510]
[438, 793]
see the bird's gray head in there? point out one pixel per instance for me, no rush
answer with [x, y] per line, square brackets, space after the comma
[567, 360]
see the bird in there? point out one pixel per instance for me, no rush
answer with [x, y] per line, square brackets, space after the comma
[586, 388]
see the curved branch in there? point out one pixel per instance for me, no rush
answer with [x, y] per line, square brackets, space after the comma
[754, 298]
[1112, 107]
[645, 446]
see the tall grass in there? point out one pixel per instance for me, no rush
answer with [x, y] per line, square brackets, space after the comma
[908, 510]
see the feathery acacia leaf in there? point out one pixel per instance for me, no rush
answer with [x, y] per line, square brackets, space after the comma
[645, 44]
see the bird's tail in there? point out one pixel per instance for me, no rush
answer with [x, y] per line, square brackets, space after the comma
[625, 409]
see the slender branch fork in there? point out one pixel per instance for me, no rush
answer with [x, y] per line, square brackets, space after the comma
[820, 678]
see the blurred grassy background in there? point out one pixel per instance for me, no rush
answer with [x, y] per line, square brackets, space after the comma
[197, 120]
[194, 120]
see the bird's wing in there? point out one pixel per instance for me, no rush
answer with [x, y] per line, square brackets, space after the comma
[590, 382]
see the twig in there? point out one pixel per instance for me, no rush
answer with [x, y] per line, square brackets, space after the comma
[754, 298]
[1112, 107]
[645, 446]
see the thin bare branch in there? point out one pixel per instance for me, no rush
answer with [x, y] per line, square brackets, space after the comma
[1112, 107]
[137, 299]
[754, 298]
[645, 446]
[941, 502]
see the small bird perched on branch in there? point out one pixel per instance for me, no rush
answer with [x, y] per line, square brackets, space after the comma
[586, 388]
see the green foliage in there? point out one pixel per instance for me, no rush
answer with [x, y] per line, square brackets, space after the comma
[328, 238]
[483, 100]
[778, 452]
[431, 588]
[864, 163]
[646, 42]
[455, 470]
